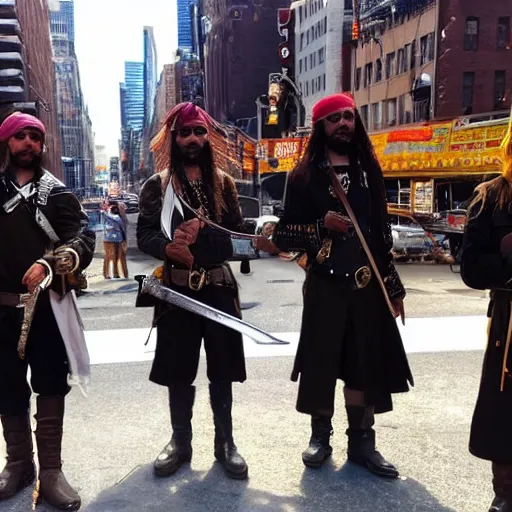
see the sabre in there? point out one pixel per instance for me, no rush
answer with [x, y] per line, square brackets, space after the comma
[202, 218]
[152, 286]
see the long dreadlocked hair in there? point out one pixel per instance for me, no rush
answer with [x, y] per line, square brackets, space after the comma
[360, 151]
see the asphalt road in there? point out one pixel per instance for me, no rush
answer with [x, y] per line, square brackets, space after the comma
[112, 437]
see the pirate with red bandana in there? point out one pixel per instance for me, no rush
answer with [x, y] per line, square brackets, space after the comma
[45, 243]
[187, 151]
[349, 330]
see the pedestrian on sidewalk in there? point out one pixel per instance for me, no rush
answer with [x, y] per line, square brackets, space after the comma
[44, 236]
[349, 330]
[486, 264]
[195, 264]
[115, 241]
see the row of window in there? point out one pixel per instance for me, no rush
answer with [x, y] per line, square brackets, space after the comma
[317, 84]
[393, 111]
[398, 62]
[468, 89]
[313, 33]
[312, 60]
[472, 34]
[311, 7]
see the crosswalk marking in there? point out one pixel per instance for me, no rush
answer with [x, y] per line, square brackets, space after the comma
[420, 335]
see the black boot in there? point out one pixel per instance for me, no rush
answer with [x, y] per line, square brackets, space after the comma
[221, 399]
[179, 449]
[319, 449]
[55, 489]
[361, 442]
[19, 472]
[502, 483]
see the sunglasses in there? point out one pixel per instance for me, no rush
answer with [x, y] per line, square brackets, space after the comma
[347, 115]
[198, 131]
[33, 135]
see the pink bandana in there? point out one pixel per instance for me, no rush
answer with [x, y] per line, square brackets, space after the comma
[17, 122]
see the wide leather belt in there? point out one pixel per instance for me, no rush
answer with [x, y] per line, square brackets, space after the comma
[13, 300]
[197, 279]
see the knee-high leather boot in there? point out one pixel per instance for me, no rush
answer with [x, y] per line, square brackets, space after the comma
[179, 450]
[361, 442]
[19, 472]
[221, 400]
[502, 483]
[55, 489]
[319, 449]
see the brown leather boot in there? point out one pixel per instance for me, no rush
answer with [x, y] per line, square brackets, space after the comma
[19, 471]
[502, 483]
[55, 489]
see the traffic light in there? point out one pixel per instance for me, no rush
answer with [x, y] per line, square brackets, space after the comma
[355, 30]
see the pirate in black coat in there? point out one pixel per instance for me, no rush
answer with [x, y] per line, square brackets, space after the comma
[486, 264]
[195, 264]
[348, 330]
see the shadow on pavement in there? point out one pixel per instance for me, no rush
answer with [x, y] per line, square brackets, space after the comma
[328, 490]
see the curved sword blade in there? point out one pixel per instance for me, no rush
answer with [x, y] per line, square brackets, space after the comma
[152, 286]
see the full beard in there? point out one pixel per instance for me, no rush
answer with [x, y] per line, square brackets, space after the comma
[340, 146]
[29, 165]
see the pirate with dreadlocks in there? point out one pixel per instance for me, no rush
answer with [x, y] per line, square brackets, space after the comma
[187, 149]
[486, 264]
[44, 238]
[348, 329]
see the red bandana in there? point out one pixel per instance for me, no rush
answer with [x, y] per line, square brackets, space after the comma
[334, 103]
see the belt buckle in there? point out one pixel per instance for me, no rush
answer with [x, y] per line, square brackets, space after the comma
[197, 279]
[362, 277]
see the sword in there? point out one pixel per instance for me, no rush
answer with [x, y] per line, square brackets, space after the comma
[202, 218]
[152, 286]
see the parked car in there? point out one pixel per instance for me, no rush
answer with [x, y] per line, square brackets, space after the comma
[409, 239]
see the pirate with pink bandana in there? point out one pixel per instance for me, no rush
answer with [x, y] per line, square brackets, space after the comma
[188, 150]
[45, 242]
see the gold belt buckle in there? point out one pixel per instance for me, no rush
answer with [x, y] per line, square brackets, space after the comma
[362, 277]
[197, 279]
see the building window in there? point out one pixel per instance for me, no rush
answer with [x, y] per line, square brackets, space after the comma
[358, 79]
[471, 34]
[390, 65]
[426, 49]
[378, 70]
[324, 81]
[499, 90]
[401, 109]
[391, 112]
[368, 73]
[325, 25]
[364, 115]
[321, 54]
[300, 66]
[401, 64]
[504, 33]
[302, 41]
[468, 84]
[377, 116]
[413, 54]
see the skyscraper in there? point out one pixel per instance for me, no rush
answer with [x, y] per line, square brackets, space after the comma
[132, 119]
[150, 85]
[132, 94]
[184, 25]
[74, 121]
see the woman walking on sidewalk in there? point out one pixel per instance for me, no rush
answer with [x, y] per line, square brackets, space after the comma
[115, 241]
[486, 263]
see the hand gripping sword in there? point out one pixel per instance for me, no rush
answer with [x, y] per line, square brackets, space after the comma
[152, 286]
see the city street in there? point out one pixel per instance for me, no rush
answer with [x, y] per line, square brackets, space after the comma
[112, 437]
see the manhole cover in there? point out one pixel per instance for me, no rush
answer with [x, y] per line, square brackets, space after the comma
[278, 281]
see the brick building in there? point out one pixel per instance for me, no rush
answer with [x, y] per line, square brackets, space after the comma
[432, 58]
[474, 68]
[240, 52]
[33, 75]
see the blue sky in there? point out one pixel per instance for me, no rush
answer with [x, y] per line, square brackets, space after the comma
[109, 32]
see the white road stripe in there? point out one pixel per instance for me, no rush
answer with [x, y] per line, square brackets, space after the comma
[420, 335]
